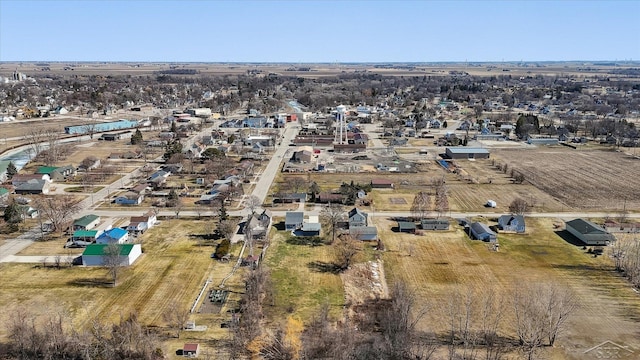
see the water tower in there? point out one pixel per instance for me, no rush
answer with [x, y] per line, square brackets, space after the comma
[341, 130]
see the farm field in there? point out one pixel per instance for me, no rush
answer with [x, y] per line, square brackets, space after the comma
[437, 264]
[172, 269]
[595, 179]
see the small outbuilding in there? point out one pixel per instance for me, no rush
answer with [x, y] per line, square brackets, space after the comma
[407, 226]
[191, 349]
[364, 233]
[382, 184]
[588, 232]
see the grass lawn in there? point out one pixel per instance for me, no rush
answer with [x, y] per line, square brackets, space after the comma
[174, 266]
[82, 189]
[300, 289]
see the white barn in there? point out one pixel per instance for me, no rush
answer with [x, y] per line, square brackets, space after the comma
[93, 254]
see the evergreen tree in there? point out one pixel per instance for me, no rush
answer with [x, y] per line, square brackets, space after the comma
[11, 170]
[12, 213]
[222, 212]
[174, 128]
[137, 138]
[172, 147]
[444, 124]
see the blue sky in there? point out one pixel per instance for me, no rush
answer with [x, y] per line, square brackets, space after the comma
[319, 31]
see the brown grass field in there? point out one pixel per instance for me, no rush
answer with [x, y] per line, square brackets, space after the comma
[173, 268]
[438, 263]
[597, 180]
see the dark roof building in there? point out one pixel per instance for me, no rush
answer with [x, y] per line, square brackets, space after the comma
[406, 226]
[588, 232]
[466, 153]
[513, 223]
[482, 232]
[434, 224]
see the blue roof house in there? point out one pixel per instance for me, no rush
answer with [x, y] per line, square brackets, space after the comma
[114, 235]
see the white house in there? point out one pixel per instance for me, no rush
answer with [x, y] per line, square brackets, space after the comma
[94, 254]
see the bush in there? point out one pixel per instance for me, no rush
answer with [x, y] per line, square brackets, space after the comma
[222, 249]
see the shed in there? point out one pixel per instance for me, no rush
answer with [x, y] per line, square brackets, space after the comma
[309, 229]
[93, 254]
[191, 349]
[482, 232]
[466, 153]
[85, 235]
[406, 226]
[86, 222]
[382, 184]
[434, 224]
[513, 223]
[588, 232]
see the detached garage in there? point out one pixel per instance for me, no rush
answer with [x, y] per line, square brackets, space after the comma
[93, 254]
[466, 153]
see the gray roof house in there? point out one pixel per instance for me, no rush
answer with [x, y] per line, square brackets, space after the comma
[482, 232]
[293, 220]
[588, 232]
[513, 223]
[33, 186]
[357, 218]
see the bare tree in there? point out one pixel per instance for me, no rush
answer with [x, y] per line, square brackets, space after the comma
[519, 206]
[112, 260]
[332, 215]
[177, 317]
[346, 249]
[421, 205]
[227, 228]
[559, 304]
[297, 183]
[57, 209]
[529, 319]
[252, 203]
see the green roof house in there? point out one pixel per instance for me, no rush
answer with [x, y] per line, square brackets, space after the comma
[94, 254]
[86, 222]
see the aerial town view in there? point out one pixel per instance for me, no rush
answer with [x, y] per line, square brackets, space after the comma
[319, 180]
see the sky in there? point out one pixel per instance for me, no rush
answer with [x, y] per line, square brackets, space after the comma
[307, 31]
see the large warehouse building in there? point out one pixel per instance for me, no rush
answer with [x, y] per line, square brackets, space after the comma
[94, 254]
[100, 126]
[466, 153]
[588, 232]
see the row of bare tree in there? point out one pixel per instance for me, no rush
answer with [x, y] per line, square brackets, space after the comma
[625, 253]
[51, 336]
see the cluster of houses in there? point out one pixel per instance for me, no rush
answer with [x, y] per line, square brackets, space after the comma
[87, 235]
[357, 225]
[40, 181]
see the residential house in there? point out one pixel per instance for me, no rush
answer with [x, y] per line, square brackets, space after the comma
[290, 197]
[514, 223]
[259, 224]
[113, 235]
[381, 184]
[85, 236]
[59, 173]
[326, 198]
[129, 198]
[407, 227]
[357, 218]
[94, 254]
[293, 220]
[364, 233]
[27, 212]
[33, 186]
[434, 224]
[18, 179]
[309, 229]
[302, 156]
[139, 189]
[86, 222]
[588, 232]
[482, 232]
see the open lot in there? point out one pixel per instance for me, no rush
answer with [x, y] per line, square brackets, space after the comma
[437, 264]
[584, 179]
